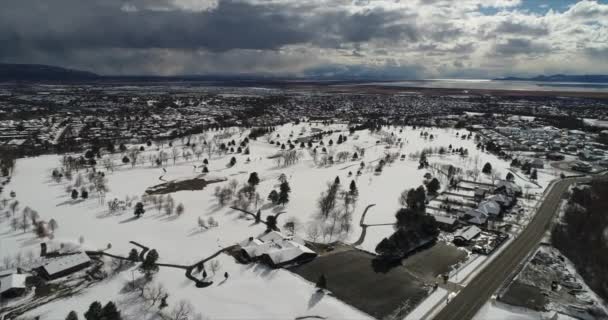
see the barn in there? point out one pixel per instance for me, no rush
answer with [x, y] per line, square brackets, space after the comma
[64, 265]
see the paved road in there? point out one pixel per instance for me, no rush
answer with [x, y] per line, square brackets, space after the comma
[470, 299]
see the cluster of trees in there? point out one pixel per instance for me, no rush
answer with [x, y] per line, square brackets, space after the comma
[280, 197]
[582, 234]
[91, 181]
[526, 167]
[335, 209]
[414, 227]
[98, 312]
[29, 219]
[8, 160]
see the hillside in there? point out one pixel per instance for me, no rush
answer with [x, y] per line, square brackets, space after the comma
[36, 72]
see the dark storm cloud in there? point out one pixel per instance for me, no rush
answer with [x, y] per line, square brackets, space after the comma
[63, 25]
[77, 24]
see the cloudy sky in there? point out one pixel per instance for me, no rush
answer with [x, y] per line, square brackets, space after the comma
[381, 38]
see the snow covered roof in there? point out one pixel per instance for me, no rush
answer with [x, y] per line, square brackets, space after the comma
[500, 198]
[444, 219]
[66, 262]
[15, 280]
[276, 246]
[468, 233]
[489, 208]
[508, 185]
[7, 272]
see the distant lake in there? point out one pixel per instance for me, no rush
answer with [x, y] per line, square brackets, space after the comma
[499, 85]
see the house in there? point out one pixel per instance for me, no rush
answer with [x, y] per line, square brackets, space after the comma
[12, 286]
[464, 236]
[490, 208]
[64, 265]
[480, 193]
[503, 200]
[446, 223]
[582, 167]
[537, 163]
[508, 188]
[555, 156]
[276, 250]
[474, 216]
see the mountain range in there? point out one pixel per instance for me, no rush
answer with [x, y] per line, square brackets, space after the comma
[38, 72]
[588, 78]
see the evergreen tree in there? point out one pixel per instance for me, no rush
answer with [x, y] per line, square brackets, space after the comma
[139, 209]
[110, 312]
[74, 194]
[72, 316]
[273, 196]
[337, 180]
[534, 175]
[133, 255]
[253, 180]
[510, 177]
[353, 188]
[232, 162]
[149, 267]
[433, 186]
[205, 170]
[487, 168]
[94, 312]
[284, 191]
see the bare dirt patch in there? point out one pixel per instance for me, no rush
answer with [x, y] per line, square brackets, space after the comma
[197, 183]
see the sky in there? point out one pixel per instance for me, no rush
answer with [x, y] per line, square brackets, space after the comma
[391, 39]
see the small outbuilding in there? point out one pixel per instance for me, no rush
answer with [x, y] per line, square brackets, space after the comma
[464, 236]
[12, 286]
[446, 223]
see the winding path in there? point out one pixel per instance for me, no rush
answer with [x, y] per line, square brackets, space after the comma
[188, 268]
[363, 227]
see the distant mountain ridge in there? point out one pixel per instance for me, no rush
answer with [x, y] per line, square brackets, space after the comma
[588, 78]
[34, 72]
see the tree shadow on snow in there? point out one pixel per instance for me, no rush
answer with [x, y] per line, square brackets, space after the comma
[315, 298]
[133, 218]
[70, 201]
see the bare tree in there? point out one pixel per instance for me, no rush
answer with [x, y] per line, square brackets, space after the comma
[182, 311]
[198, 152]
[187, 155]
[403, 198]
[133, 155]
[214, 266]
[163, 156]
[313, 232]
[175, 154]
[179, 210]
[108, 162]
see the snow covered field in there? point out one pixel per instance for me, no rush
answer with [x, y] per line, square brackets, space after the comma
[252, 291]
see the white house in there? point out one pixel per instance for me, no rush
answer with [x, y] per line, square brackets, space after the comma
[276, 250]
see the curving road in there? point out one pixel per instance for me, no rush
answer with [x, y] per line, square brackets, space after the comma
[471, 298]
